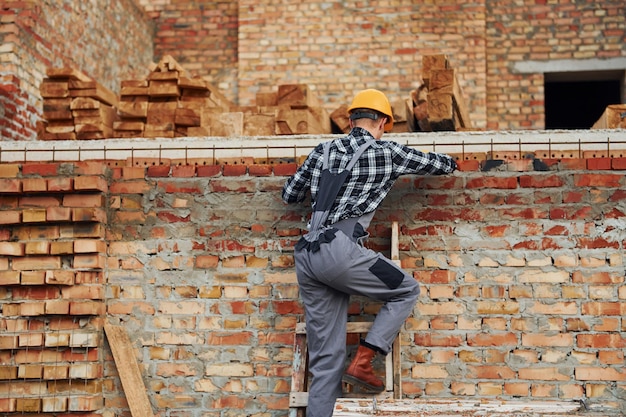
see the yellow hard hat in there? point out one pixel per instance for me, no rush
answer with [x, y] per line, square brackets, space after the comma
[374, 100]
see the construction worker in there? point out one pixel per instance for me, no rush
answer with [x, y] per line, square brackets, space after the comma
[348, 178]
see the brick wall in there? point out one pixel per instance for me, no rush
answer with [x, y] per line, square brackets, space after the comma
[336, 48]
[108, 43]
[521, 266]
[565, 30]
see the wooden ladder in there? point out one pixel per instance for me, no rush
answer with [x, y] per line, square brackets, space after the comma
[298, 396]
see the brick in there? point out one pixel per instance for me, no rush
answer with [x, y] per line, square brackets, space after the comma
[54, 404]
[10, 217]
[30, 340]
[39, 202]
[36, 263]
[89, 246]
[89, 214]
[183, 171]
[61, 247]
[87, 230]
[57, 307]
[599, 374]
[85, 403]
[41, 169]
[9, 170]
[34, 185]
[33, 277]
[59, 277]
[10, 186]
[12, 249]
[30, 371]
[34, 215]
[89, 262]
[87, 308]
[41, 247]
[8, 342]
[286, 169]
[32, 309]
[90, 183]
[58, 214]
[84, 200]
[9, 277]
[157, 171]
[28, 405]
[60, 184]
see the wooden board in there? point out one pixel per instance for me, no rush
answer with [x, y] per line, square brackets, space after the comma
[613, 117]
[345, 407]
[128, 369]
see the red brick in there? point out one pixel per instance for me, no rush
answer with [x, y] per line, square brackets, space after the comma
[89, 214]
[598, 180]
[285, 169]
[595, 164]
[34, 185]
[158, 171]
[42, 169]
[618, 164]
[260, 170]
[84, 200]
[10, 185]
[56, 214]
[183, 171]
[135, 173]
[234, 170]
[90, 183]
[208, 170]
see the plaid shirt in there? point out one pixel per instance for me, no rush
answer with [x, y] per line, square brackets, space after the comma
[371, 178]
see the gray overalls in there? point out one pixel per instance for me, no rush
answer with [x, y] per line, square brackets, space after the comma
[331, 265]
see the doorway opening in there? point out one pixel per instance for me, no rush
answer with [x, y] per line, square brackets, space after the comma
[577, 100]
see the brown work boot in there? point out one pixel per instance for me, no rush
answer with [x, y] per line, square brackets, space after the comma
[361, 373]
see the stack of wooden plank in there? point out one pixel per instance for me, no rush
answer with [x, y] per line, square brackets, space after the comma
[168, 103]
[75, 106]
[291, 110]
[438, 104]
[613, 117]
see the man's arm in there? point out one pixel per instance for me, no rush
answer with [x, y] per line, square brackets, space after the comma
[411, 161]
[296, 186]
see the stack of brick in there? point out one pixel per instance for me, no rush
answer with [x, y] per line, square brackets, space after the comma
[75, 106]
[52, 256]
[167, 104]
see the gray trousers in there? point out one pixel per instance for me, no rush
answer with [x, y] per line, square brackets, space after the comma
[327, 278]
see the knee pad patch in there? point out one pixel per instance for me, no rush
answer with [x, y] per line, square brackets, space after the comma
[387, 273]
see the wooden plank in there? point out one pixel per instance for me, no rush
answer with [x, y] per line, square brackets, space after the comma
[297, 96]
[297, 397]
[57, 108]
[54, 89]
[341, 118]
[163, 88]
[66, 73]
[432, 62]
[613, 117]
[300, 121]
[395, 244]
[100, 93]
[347, 407]
[446, 81]
[129, 371]
[258, 124]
